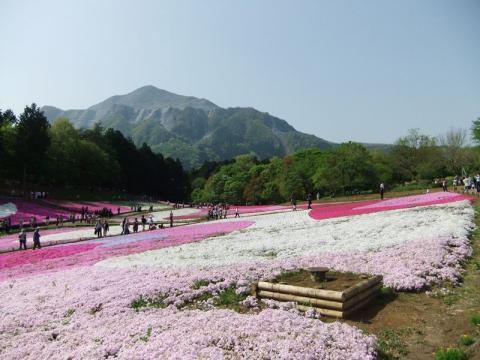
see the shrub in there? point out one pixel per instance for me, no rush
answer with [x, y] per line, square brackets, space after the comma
[386, 294]
[450, 354]
[466, 340]
[475, 319]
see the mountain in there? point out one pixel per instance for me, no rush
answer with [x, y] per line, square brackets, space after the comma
[191, 129]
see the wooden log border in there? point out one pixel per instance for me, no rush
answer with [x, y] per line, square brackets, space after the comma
[339, 304]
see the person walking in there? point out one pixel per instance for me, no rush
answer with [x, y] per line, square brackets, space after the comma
[144, 222]
[444, 185]
[36, 239]
[309, 199]
[135, 226]
[8, 224]
[126, 227]
[106, 228]
[23, 240]
[98, 229]
[123, 226]
[171, 218]
[382, 190]
[237, 213]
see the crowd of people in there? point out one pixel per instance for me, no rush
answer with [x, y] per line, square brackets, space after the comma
[216, 211]
[143, 222]
[471, 184]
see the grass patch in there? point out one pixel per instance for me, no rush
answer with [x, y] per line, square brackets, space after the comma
[144, 302]
[197, 284]
[475, 265]
[68, 313]
[475, 319]
[450, 354]
[448, 294]
[391, 344]
[466, 340]
[228, 298]
[451, 299]
[147, 336]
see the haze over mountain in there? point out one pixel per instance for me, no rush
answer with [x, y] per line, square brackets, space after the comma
[191, 129]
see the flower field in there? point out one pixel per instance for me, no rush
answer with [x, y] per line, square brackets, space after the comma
[91, 205]
[61, 257]
[23, 210]
[156, 294]
[191, 213]
[367, 207]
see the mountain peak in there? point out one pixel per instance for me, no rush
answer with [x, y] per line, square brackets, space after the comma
[152, 98]
[189, 128]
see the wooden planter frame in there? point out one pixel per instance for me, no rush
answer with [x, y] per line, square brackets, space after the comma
[339, 304]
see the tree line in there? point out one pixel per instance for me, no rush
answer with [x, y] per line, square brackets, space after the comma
[413, 161]
[33, 151]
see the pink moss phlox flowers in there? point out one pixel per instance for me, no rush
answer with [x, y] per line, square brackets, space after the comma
[95, 250]
[92, 206]
[26, 209]
[86, 313]
[328, 211]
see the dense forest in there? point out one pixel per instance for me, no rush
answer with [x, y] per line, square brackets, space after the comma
[33, 151]
[414, 161]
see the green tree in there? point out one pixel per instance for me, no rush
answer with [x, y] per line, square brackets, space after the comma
[348, 167]
[7, 142]
[412, 156]
[63, 152]
[476, 131]
[32, 142]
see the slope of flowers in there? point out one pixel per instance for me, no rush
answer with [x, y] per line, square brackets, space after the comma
[25, 209]
[55, 258]
[294, 234]
[92, 205]
[367, 207]
[86, 313]
[184, 213]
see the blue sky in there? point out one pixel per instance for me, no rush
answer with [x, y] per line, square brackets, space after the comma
[342, 70]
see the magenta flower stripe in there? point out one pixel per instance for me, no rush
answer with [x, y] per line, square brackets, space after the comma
[54, 258]
[372, 206]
